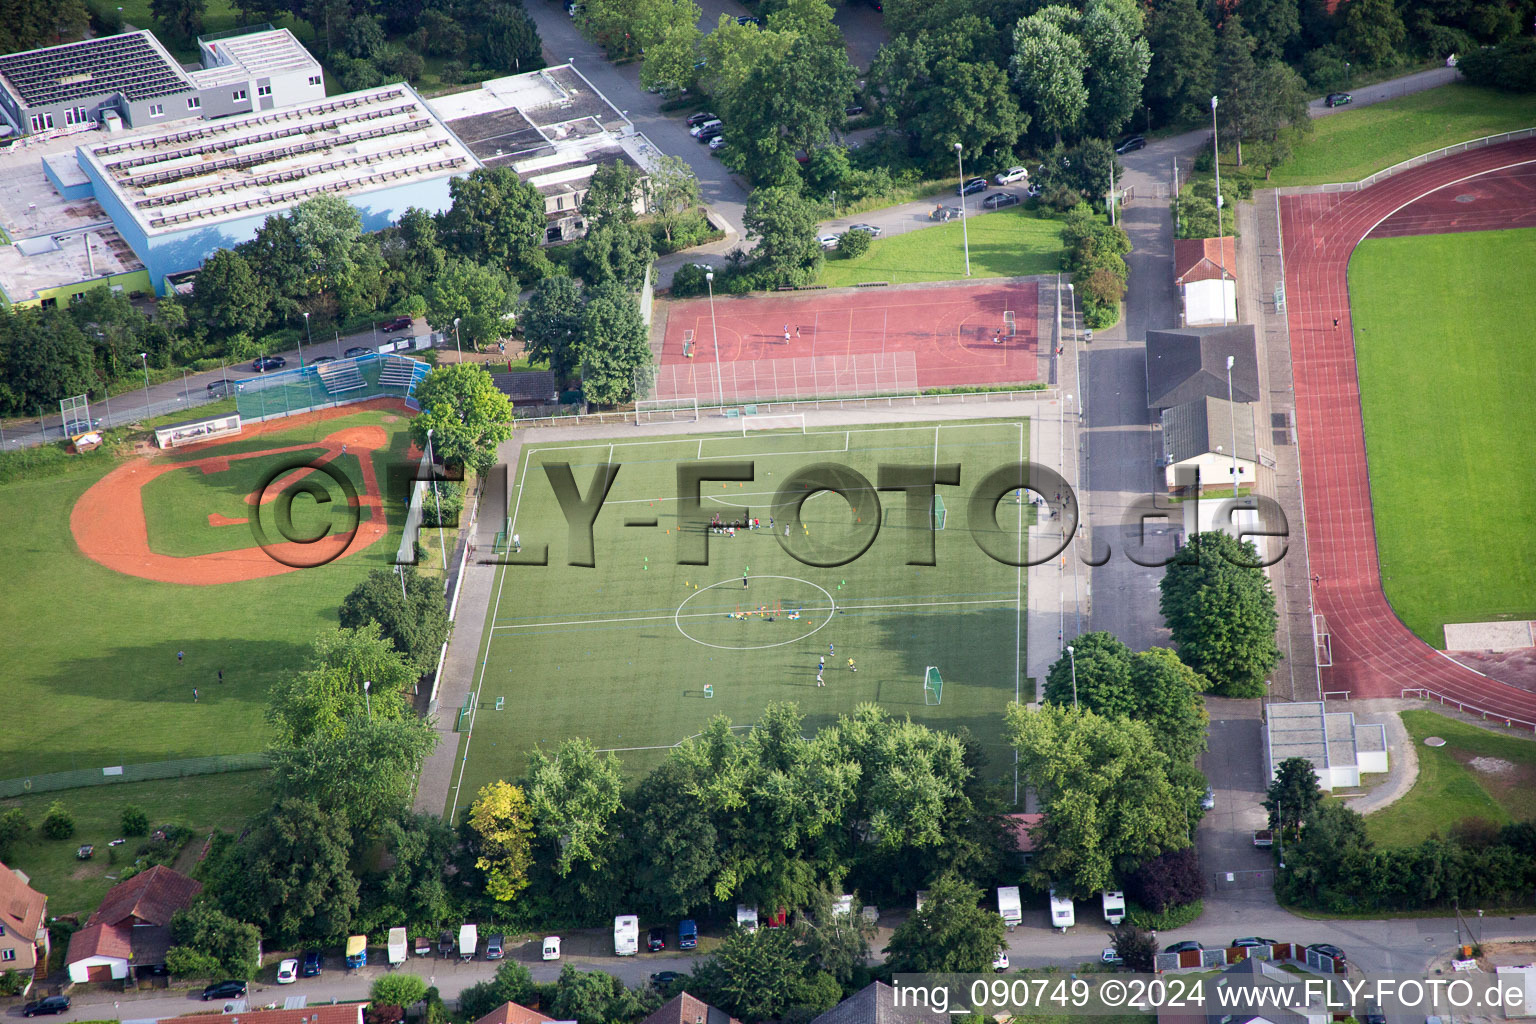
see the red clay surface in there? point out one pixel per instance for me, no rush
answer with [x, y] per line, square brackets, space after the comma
[943, 335]
[109, 527]
[1374, 654]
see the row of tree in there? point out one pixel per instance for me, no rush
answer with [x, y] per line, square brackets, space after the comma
[1332, 864]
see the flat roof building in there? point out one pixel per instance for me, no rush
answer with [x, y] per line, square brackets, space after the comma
[554, 129]
[72, 86]
[1340, 749]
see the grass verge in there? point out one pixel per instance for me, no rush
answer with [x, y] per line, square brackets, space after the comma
[1009, 243]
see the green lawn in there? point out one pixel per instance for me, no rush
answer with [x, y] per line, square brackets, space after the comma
[621, 654]
[1446, 358]
[1356, 143]
[91, 677]
[1449, 790]
[201, 802]
[1010, 243]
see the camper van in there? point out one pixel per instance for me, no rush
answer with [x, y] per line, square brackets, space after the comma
[746, 917]
[626, 935]
[1009, 906]
[1062, 915]
[357, 951]
[1114, 906]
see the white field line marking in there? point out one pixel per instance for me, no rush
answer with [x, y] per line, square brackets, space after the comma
[710, 615]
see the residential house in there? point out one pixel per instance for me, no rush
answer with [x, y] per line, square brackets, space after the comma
[23, 923]
[341, 1013]
[131, 928]
[685, 1009]
[512, 1013]
[1199, 438]
[877, 1003]
[1022, 828]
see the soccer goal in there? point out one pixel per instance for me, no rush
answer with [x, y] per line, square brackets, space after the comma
[666, 410]
[939, 514]
[781, 421]
[1010, 328]
[933, 686]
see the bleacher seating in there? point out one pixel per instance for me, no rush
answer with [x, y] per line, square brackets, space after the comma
[536, 387]
[341, 377]
[398, 373]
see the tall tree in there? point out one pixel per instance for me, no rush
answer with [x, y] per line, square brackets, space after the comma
[467, 415]
[1221, 613]
[411, 887]
[612, 193]
[501, 819]
[1373, 32]
[1169, 701]
[181, 19]
[1181, 74]
[951, 932]
[552, 324]
[672, 193]
[362, 775]
[1275, 25]
[793, 104]
[290, 875]
[203, 936]
[43, 358]
[511, 40]
[226, 295]
[1049, 66]
[498, 218]
[319, 699]
[1104, 790]
[477, 296]
[762, 975]
[676, 848]
[574, 795]
[617, 253]
[1294, 794]
[1096, 675]
[1115, 45]
[613, 344]
[414, 622]
[785, 225]
[1237, 82]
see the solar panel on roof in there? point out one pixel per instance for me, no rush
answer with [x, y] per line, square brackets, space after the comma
[128, 64]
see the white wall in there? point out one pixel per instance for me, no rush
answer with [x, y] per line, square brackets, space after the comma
[1204, 302]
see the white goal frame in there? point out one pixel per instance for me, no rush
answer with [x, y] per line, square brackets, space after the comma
[671, 405]
[762, 422]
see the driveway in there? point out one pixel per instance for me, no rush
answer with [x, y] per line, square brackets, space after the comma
[1388, 90]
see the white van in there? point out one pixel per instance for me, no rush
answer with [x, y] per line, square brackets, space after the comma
[551, 947]
[626, 935]
[746, 917]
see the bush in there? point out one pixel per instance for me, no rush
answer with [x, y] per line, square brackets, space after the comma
[1168, 880]
[58, 823]
[1173, 917]
[1061, 198]
[134, 821]
[1510, 66]
[450, 497]
[12, 982]
[453, 72]
[854, 244]
[184, 962]
[402, 990]
[13, 826]
[689, 280]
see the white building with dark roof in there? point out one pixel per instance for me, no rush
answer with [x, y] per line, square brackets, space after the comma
[245, 71]
[129, 77]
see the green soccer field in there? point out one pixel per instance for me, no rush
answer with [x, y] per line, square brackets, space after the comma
[91, 674]
[622, 653]
[1446, 358]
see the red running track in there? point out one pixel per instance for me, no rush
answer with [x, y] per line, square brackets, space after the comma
[948, 329]
[1374, 654]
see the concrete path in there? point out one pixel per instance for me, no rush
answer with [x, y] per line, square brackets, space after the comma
[1391, 89]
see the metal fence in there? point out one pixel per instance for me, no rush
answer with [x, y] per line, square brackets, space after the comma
[303, 389]
[145, 772]
[1410, 163]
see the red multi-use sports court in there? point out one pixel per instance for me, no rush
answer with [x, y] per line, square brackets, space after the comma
[851, 341]
[1374, 654]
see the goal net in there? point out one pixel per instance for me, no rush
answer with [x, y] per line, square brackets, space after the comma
[781, 421]
[938, 512]
[933, 686]
[666, 410]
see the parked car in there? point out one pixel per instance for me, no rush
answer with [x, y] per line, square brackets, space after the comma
[311, 967]
[746, 19]
[661, 979]
[687, 934]
[1000, 961]
[1000, 200]
[222, 388]
[1131, 144]
[1337, 99]
[1033, 191]
[698, 130]
[48, 1004]
[829, 241]
[224, 990]
[873, 229]
[319, 360]
[265, 363]
[287, 972]
[1328, 951]
[853, 110]
[972, 186]
[1208, 801]
[656, 940]
[399, 323]
[710, 134]
[494, 950]
[1110, 956]
[1252, 940]
[358, 350]
[717, 143]
[700, 118]
[1187, 946]
[1011, 175]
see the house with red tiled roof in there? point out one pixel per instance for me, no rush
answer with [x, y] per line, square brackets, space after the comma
[514, 1013]
[1205, 271]
[341, 1013]
[686, 1009]
[1021, 827]
[131, 928]
[23, 923]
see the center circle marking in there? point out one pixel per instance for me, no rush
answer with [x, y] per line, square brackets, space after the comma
[677, 617]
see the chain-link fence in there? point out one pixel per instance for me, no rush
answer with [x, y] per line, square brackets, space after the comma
[145, 772]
